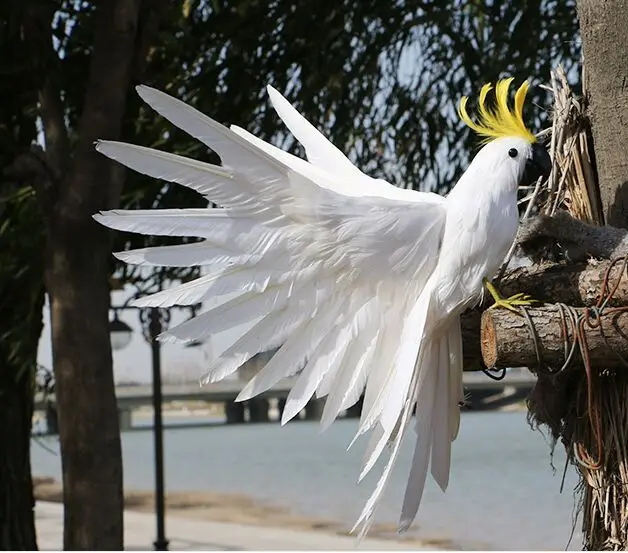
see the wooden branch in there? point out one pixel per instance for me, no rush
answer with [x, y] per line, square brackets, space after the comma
[508, 341]
[576, 285]
[578, 241]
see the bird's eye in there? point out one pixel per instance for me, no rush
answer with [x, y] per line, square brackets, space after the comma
[513, 152]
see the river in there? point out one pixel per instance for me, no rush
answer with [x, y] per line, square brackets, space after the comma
[503, 492]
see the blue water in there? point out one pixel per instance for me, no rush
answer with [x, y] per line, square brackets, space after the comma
[503, 492]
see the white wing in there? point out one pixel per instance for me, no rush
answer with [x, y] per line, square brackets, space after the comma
[330, 263]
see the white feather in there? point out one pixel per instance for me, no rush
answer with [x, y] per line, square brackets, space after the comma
[330, 355]
[397, 388]
[237, 311]
[441, 414]
[269, 333]
[366, 518]
[320, 152]
[291, 357]
[180, 255]
[426, 387]
[456, 386]
[355, 365]
[209, 180]
[233, 151]
[383, 357]
[225, 281]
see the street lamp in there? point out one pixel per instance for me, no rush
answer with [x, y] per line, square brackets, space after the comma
[121, 333]
[154, 321]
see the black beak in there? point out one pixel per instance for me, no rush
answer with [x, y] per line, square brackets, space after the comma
[538, 164]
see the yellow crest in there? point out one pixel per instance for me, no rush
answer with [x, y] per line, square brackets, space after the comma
[500, 121]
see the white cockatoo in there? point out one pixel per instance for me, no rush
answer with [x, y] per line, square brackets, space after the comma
[360, 284]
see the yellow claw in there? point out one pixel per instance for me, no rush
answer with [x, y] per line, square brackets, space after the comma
[512, 303]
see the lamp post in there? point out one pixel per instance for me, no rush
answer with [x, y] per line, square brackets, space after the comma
[154, 321]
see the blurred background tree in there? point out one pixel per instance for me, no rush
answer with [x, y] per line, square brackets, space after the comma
[381, 79]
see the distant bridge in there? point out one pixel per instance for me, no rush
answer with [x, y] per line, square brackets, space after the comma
[480, 388]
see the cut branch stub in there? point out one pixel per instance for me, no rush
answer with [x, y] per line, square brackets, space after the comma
[507, 338]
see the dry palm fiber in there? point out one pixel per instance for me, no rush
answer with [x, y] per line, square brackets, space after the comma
[584, 407]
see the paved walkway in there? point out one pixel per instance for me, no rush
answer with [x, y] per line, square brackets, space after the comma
[197, 535]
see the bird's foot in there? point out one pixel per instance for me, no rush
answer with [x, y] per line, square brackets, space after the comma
[511, 303]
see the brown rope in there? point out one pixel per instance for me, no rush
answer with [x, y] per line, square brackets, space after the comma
[575, 324]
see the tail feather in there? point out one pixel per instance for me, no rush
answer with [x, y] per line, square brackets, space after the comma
[421, 457]
[365, 520]
[442, 415]
[456, 386]
[397, 388]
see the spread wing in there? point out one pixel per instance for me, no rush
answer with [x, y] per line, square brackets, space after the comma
[329, 263]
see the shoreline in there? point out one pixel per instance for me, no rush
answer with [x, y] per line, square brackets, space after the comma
[239, 509]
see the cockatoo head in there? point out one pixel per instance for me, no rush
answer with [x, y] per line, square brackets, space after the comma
[510, 149]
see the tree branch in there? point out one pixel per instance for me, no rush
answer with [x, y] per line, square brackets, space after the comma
[576, 240]
[576, 285]
[508, 339]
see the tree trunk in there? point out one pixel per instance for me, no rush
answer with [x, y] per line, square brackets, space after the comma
[17, 524]
[76, 274]
[21, 303]
[604, 31]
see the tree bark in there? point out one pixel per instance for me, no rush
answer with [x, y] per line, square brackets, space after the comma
[76, 274]
[508, 338]
[577, 284]
[604, 31]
